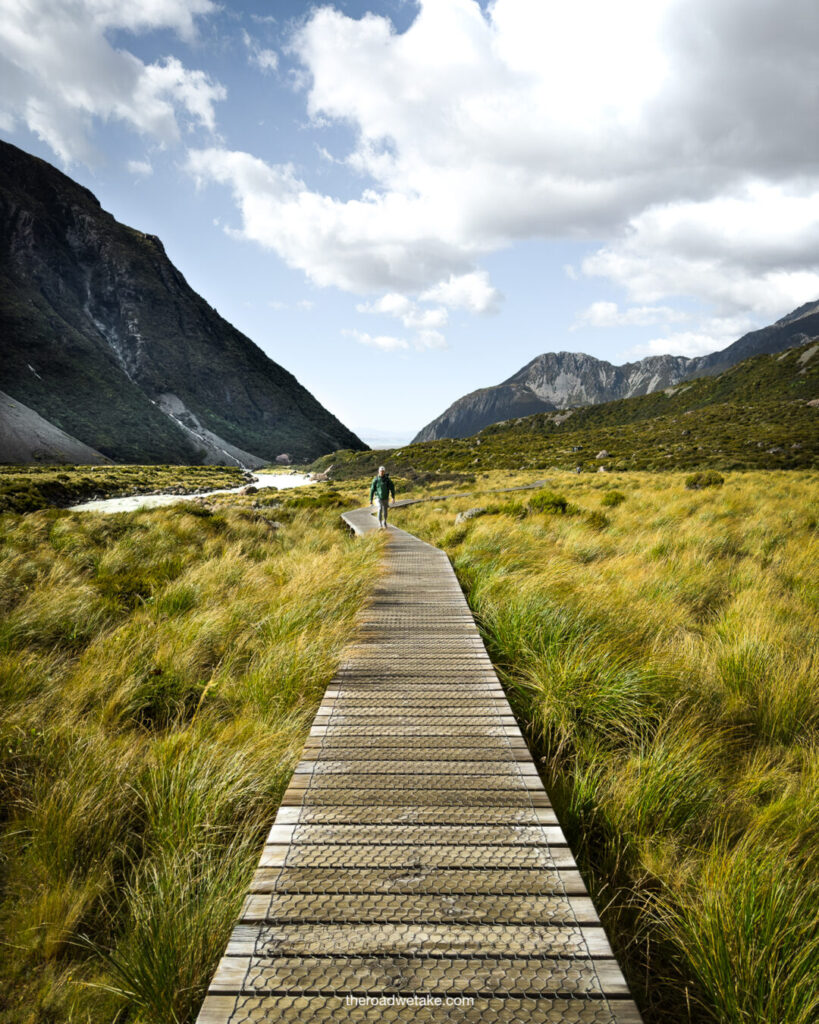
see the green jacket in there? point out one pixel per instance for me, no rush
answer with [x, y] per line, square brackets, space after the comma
[382, 486]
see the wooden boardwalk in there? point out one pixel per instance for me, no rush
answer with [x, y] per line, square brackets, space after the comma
[415, 870]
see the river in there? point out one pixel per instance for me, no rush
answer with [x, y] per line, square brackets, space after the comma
[282, 481]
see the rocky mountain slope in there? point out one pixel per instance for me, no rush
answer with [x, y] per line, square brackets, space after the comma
[762, 413]
[102, 337]
[564, 380]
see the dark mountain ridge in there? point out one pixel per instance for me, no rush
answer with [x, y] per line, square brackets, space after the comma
[557, 381]
[102, 336]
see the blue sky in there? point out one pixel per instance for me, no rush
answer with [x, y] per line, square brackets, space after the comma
[401, 202]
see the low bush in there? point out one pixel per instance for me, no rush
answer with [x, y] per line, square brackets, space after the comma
[611, 499]
[548, 501]
[707, 478]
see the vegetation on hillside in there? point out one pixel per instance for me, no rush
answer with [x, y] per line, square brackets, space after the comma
[159, 671]
[28, 488]
[97, 323]
[659, 646]
[761, 414]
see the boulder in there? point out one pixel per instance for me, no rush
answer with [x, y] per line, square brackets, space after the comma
[603, 455]
[602, 469]
[469, 513]
[248, 489]
[283, 459]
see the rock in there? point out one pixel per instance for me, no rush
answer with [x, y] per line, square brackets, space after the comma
[248, 489]
[283, 459]
[318, 477]
[603, 455]
[469, 513]
[577, 447]
[813, 402]
[602, 469]
[774, 451]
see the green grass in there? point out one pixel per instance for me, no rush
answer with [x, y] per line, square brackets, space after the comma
[159, 671]
[29, 488]
[662, 659]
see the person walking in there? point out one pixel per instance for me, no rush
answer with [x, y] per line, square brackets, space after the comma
[382, 487]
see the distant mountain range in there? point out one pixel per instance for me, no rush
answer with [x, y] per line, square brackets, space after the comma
[565, 380]
[761, 413]
[107, 353]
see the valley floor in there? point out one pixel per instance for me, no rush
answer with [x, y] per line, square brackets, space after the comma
[660, 645]
[159, 671]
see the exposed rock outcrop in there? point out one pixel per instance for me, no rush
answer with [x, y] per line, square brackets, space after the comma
[565, 380]
[101, 335]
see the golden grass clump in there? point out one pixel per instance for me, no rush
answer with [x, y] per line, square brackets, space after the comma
[664, 664]
[158, 674]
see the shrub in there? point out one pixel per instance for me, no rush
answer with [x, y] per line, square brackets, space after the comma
[597, 520]
[707, 478]
[548, 501]
[611, 499]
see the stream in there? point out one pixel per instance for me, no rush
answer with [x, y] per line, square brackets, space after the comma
[282, 481]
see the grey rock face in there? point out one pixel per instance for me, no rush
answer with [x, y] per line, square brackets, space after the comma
[557, 381]
[101, 335]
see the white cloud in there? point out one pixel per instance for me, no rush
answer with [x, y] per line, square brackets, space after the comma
[142, 168]
[383, 341]
[609, 314]
[393, 304]
[264, 59]
[410, 313]
[756, 249]
[711, 335]
[430, 339]
[465, 291]
[474, 129]
[60, 72]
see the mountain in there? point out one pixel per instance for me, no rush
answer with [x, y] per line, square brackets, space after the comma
[103, 339]
[26, 437]
[565, 380]
[761, 413]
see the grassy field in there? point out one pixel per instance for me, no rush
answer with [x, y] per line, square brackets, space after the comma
[159, 670]
[660, 645]
[158, 674]
[29, 488]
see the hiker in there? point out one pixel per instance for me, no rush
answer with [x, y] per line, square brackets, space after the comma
[382, 487]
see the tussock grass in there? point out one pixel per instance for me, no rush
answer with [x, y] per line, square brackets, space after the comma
[158, 674]
[664, 665]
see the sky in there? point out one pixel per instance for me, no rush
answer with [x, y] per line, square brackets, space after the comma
[403, 201]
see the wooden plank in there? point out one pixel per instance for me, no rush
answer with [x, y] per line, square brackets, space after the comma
[391, 881]
[324, 1009]
[534, 976]
[431, 835]
[407, 939]
[414, 856]
[361, 907]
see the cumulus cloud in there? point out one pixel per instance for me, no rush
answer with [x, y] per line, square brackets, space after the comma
[265, 60]
[472, 292]
[609, 314]
[385, 342]
[711, 335]
[142, 168]
[680, 131]
[60, 72]
[757, 249]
